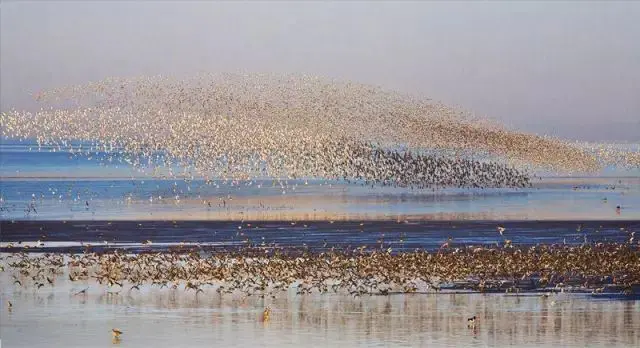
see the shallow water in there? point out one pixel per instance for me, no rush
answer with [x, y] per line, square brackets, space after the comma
[55, 317]
[55, 185]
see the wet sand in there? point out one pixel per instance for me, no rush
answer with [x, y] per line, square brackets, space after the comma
[67, 236]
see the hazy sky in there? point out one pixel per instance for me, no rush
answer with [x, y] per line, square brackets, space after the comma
[567, 69]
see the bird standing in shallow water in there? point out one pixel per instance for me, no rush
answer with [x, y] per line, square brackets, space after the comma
[265, 314]
[116, 333]
[471, 322]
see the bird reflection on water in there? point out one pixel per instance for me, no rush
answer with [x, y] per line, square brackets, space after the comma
[156, 317]
[334, 296]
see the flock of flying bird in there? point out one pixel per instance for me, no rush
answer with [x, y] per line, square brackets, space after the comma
[236, 126]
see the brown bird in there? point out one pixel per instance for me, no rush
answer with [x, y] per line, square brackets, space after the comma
[116, 333]
[266, 313]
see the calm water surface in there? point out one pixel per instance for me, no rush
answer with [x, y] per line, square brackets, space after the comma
[55, 317]
[56, 185]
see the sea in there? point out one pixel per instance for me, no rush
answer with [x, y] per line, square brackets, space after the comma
[66, 200]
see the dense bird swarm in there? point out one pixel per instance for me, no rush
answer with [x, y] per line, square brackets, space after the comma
[247, 126]
[253, 271]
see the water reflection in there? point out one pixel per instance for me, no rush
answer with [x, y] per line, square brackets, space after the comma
[56, 317]
[150, 199]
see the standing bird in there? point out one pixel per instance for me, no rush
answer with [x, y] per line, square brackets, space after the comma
[446, 244]
[116, 333]
[265, 314]
[471, 322]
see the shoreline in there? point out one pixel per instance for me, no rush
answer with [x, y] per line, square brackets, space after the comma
[319, 236]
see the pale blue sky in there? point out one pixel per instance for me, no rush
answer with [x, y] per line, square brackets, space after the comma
[568, 69]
